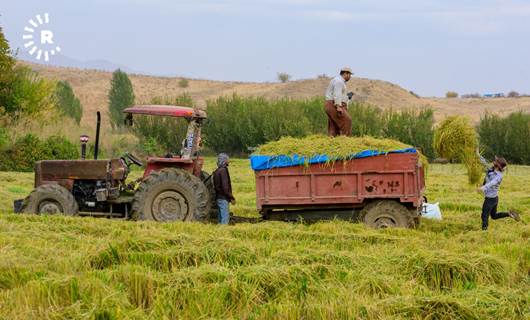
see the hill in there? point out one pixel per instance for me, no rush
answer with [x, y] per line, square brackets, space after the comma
[91, 86]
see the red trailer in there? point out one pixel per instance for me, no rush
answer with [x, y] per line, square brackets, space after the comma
[382, 191]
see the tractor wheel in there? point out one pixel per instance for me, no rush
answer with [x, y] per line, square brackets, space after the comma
[207, 179]
[50, 199]
[387, 214]
[171, 195]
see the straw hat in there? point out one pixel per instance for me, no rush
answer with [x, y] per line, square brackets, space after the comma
[346, 69]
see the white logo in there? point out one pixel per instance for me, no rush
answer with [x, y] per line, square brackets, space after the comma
[39, 39]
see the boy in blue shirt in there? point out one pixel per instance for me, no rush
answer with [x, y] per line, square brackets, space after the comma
[490, 189]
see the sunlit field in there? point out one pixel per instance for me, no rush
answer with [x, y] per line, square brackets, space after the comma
[55, 267]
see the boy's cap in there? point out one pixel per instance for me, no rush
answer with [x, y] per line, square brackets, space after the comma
[501, 162]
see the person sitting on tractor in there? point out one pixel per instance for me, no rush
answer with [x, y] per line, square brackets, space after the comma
[490, 189]
[223, 188]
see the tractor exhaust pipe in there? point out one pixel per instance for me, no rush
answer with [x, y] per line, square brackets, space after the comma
[98, 125]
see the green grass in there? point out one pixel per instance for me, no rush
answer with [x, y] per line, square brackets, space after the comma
[87, 268]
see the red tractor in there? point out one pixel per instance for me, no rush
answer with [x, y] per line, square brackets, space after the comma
[173, 188]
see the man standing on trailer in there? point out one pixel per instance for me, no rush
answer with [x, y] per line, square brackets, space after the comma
[336, 105]
[223, 188]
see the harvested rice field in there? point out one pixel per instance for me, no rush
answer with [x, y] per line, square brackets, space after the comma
[55, 267]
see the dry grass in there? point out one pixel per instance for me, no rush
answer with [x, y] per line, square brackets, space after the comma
[92, 87]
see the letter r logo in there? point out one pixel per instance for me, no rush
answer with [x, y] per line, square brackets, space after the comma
[46, 36]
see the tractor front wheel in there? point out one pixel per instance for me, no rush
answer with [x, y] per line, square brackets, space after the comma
[50, 199]
[387, 214]
[171, 195]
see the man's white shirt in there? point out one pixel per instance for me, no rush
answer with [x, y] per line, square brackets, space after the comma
[336, 91]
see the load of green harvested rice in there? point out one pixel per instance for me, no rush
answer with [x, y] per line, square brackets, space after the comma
[456, 139]
[334, 147]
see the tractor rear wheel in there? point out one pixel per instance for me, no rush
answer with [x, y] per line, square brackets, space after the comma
[207, 179]
[387, 214]
[50, 199]
[171, 195]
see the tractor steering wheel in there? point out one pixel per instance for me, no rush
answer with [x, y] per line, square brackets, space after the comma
[133, 159]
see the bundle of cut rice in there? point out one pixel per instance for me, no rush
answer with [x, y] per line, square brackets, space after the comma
[340, 147]
[456, 139]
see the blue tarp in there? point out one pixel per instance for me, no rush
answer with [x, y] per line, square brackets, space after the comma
[259, 162]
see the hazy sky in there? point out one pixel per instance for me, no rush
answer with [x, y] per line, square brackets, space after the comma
[428, 46]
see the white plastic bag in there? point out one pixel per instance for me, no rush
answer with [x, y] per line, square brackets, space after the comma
[431, 211]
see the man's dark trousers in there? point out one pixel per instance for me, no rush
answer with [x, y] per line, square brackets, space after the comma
[489, 208]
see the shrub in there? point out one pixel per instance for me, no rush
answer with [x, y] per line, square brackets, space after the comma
[22, 155]
[471, 96]
[366, 120]
[237, 123]
[508, 137]
[29, 94]
[451, 94]
[412, 126]
[4, 138]
[121, 96]
[59, 148]
[26, 150]
[7, 74]
[67, 102]
[283, 77]
[414, 94]
[22, 91]
[513, 94]
[183, 83]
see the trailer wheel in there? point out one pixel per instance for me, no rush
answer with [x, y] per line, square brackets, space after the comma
[386, 214]
[171, 195]
[50, 199]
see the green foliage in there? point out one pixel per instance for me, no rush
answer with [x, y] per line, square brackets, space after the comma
[236, 123]
[7, 65]
[451, 94]
[412, 126]
[67, 102]
[4, 138]
[121, 96]
[26, 150]
[162, 134]
[283, 77]
[366, 120]
[183, 83]
[22, 155]
[58, 147]
[508, 137]
[22, 91]
[28, 94]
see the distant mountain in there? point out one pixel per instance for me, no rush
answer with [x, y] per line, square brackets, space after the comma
[60, 60]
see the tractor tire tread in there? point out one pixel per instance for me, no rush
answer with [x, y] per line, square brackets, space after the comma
[199, 193]
[50, 191]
